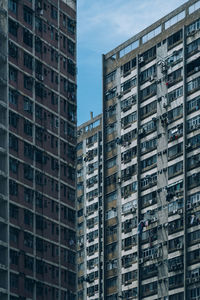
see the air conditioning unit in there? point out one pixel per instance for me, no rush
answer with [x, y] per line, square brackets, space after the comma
[188, 145]
[41, 12]
[179, 246]
[152, 78]
[40, 77]
[141, 59]
[180, 211]
[119, 95]
[189, 280]
[189, 205]
[192, 32]
[133, 209]
[141, 260]
[141, 131]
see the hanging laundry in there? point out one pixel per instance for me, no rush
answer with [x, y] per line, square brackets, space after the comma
[192, 219]
[141, 225]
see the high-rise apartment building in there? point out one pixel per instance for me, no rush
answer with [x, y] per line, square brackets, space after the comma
[37, 149]
[89, 209]
[151, 162]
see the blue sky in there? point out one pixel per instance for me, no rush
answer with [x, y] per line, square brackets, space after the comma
[103, 25]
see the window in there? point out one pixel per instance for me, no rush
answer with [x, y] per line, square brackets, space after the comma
[193, 85]
[28, 15]
[28, 83]
[71, 26]
[14, 235]
[38, 45]
[13, 50]
[28, 217]
[27, 38]
[13, 97]
[110, 94]
[148, 199]
[129, 189]
[110, 77]
[149, 162]
[175, 57]
[111, 282]
[129, 119]
[14, 257]
[175, 150]
[149, 126]
[175, 94]
[28, 150]
[126, 68]
[148, 109]
[148, 55]
[13, 188]
[175, 38]
[178, 296]
[128, 137]
[150, 288]
[175, 19]
[146, 74]
[128, 84]
[151, 34]
[13, 119]
[38, 24]
[13, 142]
[127, 103]
[149, 180]
[28, 172]
[129, 48]
[175, 113]
[39, 178]
[13, 165]
[129, 206]
[148, 91]
[54, 13]
[112, 213]
[193, 123]
[193, 104]
[175, 169]
[28, 195]
[174, 77]
[127, 173]
[13, 74]
[28, 240]
[193, 47]
[71, 67]
[12, 5]
[148, 145]
[14, 281]
[28, 128]
[193, 27]
[129, 276]
[28, 285]
[28, 61]
[28, 105]
[13, 27]
[14, 211]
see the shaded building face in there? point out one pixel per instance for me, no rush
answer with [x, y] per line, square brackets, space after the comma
[37, 148]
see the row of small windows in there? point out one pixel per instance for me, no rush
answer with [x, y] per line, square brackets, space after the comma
[67, 22]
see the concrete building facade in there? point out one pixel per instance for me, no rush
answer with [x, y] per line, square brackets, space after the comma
[89, 209]
[151, 162]
[37, 149]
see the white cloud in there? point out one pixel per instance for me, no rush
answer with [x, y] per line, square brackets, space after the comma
[106, 23]
[103, 25]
